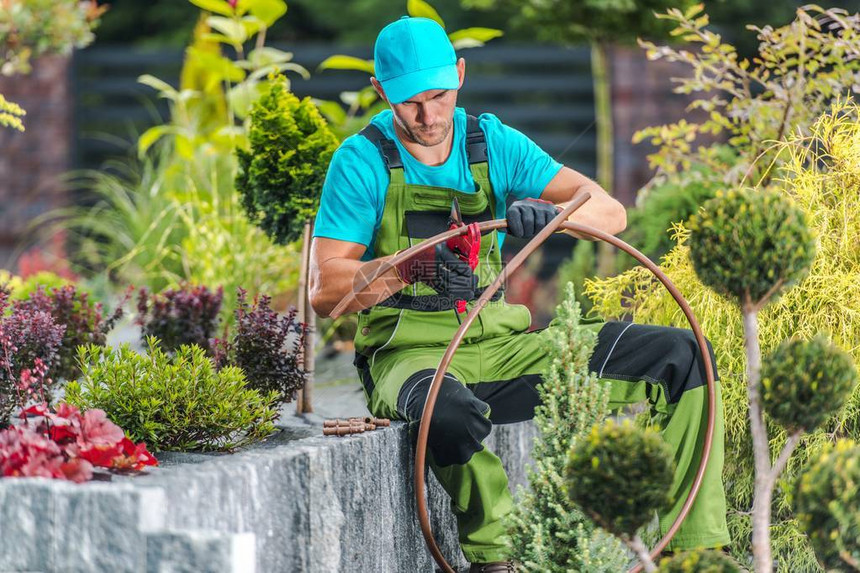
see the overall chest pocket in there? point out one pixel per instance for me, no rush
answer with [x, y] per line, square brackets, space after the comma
[427, 214]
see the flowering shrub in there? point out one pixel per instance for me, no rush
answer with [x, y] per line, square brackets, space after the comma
[187, 315]
[267, 347]
[177, 402]
[67, 444]
[83, 322]
[29, 339]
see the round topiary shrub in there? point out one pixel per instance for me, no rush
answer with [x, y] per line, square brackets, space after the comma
[748, 245]
[803, 383]
[827, 506]
[620, 475]
[281, 175]
[702, 561]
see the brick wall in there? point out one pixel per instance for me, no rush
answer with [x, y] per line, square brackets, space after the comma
[31, 162]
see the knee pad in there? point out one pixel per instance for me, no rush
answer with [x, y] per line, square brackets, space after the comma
[460, 420]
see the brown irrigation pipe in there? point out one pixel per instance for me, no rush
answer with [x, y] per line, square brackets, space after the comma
[560, 222]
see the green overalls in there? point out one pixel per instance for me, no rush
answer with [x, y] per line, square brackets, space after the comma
[494, 374]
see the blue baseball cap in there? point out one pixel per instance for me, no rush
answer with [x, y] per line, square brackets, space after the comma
[413, 55]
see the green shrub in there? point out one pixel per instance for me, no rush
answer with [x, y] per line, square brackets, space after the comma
[804, 383]
[281, 175]
[703, 561]
[749, 245]
[621, 475]
[24, 288]
[548, 533]
[173, 403]
[799, 70]
[667, 199]
[828, 506]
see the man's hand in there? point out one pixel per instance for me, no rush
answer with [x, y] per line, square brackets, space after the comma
[443, 271]
[527, 217]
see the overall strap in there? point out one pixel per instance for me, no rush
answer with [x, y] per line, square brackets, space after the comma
[386, 147]
[476, 142]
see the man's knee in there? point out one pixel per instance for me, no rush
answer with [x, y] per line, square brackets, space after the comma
[686, 364]
[459, 424]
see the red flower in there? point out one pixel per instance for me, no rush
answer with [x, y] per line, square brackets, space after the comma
[97, 430]
[77, 470]
[133, 457]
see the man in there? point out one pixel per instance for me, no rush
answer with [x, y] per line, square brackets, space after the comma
[392, 186]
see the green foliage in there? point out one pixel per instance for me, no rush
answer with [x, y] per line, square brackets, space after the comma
[822, 175]
[572, 21]
[580, 266]
[42, 280]
[35, 27]
[703, 561]
[173, 403]
[548, 534]
[620, 475]
[282, 174]
[667, 199]
[803, 383]
[165, 222]
[210, 78]
[828, 506]
[750, 245]
[799, 69]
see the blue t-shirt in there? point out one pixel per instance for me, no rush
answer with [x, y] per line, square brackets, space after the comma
[354, 191]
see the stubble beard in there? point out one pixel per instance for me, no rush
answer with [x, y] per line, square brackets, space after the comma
[418, 137]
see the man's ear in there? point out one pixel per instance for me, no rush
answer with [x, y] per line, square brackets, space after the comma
[461, 71]
[378, 87]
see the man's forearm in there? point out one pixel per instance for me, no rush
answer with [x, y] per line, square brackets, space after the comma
[338, 278]
[601, 212]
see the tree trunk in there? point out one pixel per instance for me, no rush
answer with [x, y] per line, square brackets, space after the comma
[304, 397]
[605, 141]
[764, 481]
[638, 546]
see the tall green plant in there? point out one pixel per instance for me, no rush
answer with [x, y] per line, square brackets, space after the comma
[176, 216]
[821, 173]
[548, 534]
[210, 75]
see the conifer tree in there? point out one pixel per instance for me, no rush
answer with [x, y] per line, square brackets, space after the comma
[547, 533]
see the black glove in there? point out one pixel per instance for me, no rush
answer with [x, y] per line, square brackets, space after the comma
[443, 271]
[527, 217]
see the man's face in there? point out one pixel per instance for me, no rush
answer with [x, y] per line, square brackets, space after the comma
[427, 117]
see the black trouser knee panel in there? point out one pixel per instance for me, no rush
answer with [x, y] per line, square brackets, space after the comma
[459, 423]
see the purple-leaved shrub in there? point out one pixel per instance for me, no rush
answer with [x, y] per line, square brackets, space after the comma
[266, 346]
